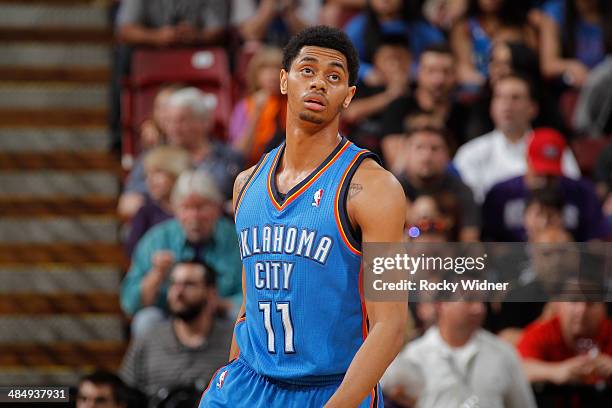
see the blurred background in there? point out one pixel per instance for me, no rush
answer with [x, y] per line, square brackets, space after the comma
[124, 123]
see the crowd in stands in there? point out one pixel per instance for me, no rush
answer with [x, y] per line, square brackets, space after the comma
[474, 105]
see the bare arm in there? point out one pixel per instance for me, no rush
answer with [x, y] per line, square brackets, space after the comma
[239, 183]
[254, 28]
[461, 45]
[361, 108]
[138, 34]
[374, 192]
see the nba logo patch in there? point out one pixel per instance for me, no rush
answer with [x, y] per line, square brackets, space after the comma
[221, 379]
[316, 198]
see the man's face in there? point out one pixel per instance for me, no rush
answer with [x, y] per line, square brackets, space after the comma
[436, 74]
[581, 319]
[386, 7]
[185, 129]
[197, 215]
[92, 395]
[392, 60]
[427, 155]
[464, 316]
[188, 292]
[159, 184]
[317, 86]
[512, 109]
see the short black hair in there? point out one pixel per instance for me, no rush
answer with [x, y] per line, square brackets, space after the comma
[529, 82]
[103, 377]
[210, 276]
[439, 48]
[442, 132]
[324, 37]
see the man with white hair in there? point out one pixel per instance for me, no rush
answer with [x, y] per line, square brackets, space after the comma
[198, 232]
[190, 119]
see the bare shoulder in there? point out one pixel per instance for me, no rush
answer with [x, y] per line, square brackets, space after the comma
[372, 181]
[376, 203]
[241, 180]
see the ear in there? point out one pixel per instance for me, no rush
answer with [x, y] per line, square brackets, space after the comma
[349, 96]
[534, 111]
[283, 81]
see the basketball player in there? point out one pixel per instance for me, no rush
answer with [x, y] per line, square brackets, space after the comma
[306, 337]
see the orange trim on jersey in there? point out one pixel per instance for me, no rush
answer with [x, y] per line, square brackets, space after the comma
[211, 381]
[251, 178]
[364, 312]
[295, 195]
[242, 319]
[337, 205]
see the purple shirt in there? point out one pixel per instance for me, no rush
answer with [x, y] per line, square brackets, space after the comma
[505, 203]
[149, 215]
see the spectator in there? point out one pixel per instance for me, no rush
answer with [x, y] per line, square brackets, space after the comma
[188, 348]
[426, 159]
[603, 179]
[153, 130]
[101, 389]
[189, 121]
[574, 346]
[571, 39]
[162, 166]
[504, 205]
[458, 364]
[551, 261]
[258, 117]
[273, 21]
[199, 232]
[364, 115]
[433, 95]
[425, 222]
[509, 57]
[486, 21]
[593, 114]
[444, 13]
[334, 12]
[161, 23]
[500, 154]
[383, 17]
[543, 210]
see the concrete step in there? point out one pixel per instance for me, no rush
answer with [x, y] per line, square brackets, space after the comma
[48, 230]
[59, 160]
[54, 278]
[13, 140]
[74, 254]
[27, 329]
[41, 184]
[42, 375]
[56, 34]
[65, 354]
[58, 206]
[37, 95]
[53, 117]
[38, 304]
[67, 74]
[36, 54]
[19, 14]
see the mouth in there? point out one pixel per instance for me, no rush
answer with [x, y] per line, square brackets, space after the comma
[314, 102]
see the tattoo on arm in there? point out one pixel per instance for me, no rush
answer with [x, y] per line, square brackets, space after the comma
[240, 181]
[354, 189]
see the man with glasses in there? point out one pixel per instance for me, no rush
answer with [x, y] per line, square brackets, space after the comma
[188, 348]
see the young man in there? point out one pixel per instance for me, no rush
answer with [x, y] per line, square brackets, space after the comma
[306, 337]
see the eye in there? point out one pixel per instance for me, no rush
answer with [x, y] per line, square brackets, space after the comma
[334, 77]
[307, 70]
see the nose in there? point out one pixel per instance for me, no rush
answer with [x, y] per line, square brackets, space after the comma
[317, 83]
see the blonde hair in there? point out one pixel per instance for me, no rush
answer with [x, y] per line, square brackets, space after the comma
[265, 57]
[170, 159]
[196, 182]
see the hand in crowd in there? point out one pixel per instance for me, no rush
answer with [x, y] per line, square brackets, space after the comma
[602, 366]
[187, 33]
[166, 36]
[576, 74]
[573, 370]
[162, 262]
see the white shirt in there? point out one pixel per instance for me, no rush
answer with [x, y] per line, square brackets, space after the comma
[492, 158]
[486, 372]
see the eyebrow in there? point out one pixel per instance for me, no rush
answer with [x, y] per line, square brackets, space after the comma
[332, 63]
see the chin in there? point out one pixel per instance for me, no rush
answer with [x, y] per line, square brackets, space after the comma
[309, 117]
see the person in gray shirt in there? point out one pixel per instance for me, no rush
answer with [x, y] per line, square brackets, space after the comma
[458, 364]
[187, 349]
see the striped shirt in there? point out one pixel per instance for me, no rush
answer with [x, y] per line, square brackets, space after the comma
[158, 360]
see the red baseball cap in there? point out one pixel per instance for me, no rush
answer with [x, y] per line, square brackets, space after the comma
[545, 150]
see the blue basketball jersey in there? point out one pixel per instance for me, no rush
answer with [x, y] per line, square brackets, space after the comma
[305, 316]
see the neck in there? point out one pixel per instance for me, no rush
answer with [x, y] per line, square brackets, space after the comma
[514, 135]
[194, 332]
[305, 148]
[420, 183]
[455, 337]
[428, 103]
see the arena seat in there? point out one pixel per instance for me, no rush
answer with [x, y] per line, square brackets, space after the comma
[587, 150]
[204, 68]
